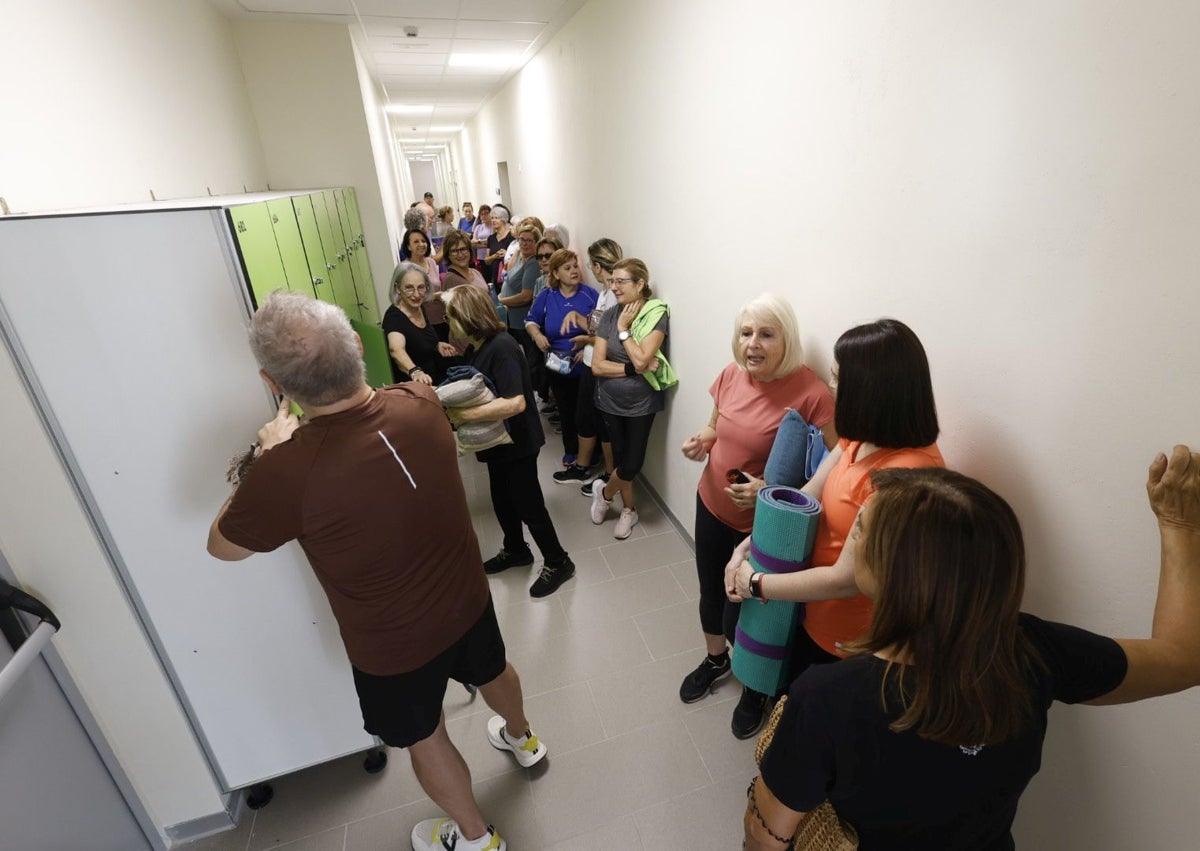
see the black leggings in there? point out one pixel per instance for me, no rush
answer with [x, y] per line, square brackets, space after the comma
[715, 543]
[516, 499]
[566, 390]
[589, 419]
[630, 435]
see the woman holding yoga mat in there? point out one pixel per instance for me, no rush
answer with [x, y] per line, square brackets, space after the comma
[942, 711]
[750, 397]
[885, 417]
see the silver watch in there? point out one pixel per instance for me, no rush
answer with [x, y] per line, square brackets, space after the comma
[623, 336]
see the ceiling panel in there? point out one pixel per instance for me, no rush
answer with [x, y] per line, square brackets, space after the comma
[512, 10]
[398, 43]
[392, 71]
[394, 27]
[478, 45]
[503, 30]
[406, 8]
[396, 57]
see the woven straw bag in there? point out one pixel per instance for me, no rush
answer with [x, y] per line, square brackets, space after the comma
[821, 829]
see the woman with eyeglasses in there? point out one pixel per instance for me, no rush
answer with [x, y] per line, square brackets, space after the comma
[415, 249]
[626, 349]
[552, 330]
[885, 416]
[418, 347]
[457, 250]
[929, 733]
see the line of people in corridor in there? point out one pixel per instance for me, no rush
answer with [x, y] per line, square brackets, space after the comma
[919, 691]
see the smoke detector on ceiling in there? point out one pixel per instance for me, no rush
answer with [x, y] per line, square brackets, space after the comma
[411, 32]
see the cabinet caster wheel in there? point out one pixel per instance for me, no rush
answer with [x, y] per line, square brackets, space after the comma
[375, 761]
[259, 795]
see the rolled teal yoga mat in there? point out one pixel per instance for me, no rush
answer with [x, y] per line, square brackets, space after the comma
[785, 529]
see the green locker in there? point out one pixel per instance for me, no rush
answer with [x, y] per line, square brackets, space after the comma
[310, 235]
[363, 282]
[260, 254]
[290, 245]
[375, 353]
[335, 254]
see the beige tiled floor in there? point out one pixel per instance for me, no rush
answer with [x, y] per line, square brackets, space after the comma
[630, 767]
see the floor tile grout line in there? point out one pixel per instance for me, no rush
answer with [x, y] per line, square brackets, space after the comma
[599, 714]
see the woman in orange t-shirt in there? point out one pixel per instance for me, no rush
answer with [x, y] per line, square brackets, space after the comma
[885, 417]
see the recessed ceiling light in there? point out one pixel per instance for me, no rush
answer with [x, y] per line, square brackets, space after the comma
[483, 60]
[409, 108]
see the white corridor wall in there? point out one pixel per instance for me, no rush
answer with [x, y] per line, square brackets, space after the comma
[1017, 181]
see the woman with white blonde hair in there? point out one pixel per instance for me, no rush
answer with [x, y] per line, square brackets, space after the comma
[750, 397]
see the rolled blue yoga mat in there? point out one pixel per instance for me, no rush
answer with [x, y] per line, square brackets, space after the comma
[785, 529]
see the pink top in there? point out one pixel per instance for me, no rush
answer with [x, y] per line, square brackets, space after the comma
[749, 412]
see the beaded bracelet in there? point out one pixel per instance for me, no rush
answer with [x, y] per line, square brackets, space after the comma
[758, 815]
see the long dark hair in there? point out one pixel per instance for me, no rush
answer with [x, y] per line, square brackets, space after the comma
[948, 561]
[884, 392]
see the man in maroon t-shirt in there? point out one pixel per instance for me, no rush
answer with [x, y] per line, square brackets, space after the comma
[369, 487]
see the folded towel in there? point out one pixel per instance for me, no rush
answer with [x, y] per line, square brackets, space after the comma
[467, 387]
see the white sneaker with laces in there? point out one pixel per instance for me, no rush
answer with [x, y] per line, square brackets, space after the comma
[625, 524]
[600, 505]
[527, 749]
[442, 834]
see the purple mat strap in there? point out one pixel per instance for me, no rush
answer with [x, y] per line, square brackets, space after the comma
[767, 651]
[771, 564]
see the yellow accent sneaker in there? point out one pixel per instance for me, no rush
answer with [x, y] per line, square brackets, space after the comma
[528, 750]
[442, 834]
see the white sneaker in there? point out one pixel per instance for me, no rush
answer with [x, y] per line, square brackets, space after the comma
[527, 749]
[625, 523]
[600, 505]
[442, 834]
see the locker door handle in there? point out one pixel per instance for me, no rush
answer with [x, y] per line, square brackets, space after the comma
[330, 267]
[341, 255]
[317, 281]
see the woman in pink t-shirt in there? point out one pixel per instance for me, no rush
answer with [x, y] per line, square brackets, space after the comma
[750, 397]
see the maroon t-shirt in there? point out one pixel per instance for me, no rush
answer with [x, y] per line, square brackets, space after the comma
[374, 497]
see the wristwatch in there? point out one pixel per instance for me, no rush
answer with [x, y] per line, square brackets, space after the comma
[623, 336]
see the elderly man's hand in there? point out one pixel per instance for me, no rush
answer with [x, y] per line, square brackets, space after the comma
[279, 429]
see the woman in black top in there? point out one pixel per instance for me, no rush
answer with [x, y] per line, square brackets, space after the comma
[928, 737]
[512, 468]
[419, 348]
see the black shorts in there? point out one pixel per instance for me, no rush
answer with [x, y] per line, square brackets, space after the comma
[403, 709]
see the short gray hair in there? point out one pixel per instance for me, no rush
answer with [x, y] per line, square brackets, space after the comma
[308, 348]
[398, 274]
[504, 215]
[414, 219]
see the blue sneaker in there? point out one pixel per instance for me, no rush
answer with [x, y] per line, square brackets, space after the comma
[568, 460]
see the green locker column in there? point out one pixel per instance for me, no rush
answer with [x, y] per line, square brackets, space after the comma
[291, 245]
[310, 235]
[363, 281]
[335, 254]
[352, 227]
[260, 255]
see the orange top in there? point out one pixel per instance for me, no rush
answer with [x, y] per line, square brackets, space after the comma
[848, 487]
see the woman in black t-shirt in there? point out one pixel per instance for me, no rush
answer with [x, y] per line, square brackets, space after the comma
[512, 468]
[420, 349]
[928, 737]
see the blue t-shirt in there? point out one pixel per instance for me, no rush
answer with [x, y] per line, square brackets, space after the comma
[550, 308]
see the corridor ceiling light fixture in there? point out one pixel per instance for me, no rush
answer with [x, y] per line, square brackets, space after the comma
[483, 60]
[409, 108]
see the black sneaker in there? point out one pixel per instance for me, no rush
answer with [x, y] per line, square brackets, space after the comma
[548, 408]
[551, 577]
[698, 684]
[573, 474]
[586, 490]
[749, 713]
[554, 419]
[503, 560]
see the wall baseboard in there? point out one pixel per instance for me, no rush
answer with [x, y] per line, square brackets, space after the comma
[662, 504]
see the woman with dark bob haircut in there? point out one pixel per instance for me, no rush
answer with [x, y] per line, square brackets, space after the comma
[512, 468]
[929, 734]
[885, 417]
